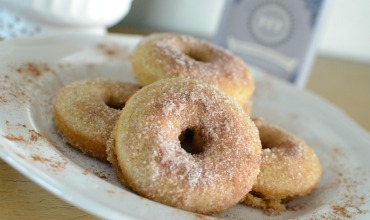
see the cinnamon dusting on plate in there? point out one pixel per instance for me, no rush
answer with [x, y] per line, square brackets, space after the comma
[114, 50]
[11, 137]
[34, 69]
[55, 165]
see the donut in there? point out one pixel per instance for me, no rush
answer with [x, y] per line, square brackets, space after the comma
[289, 168]
[207, 178]
[85, 113]
[166, 55]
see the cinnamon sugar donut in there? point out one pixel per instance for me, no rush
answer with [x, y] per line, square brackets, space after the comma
[167, 55]
[85, 113]
[148, 151]
[289, 168]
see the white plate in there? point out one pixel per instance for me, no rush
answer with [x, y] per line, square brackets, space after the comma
[32, 71]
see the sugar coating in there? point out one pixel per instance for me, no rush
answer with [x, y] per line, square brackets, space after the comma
[156, 166]
[289, 167]
[83, 116]
[165, 55]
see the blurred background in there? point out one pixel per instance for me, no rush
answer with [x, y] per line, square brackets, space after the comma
[345, 33]
[340, 71]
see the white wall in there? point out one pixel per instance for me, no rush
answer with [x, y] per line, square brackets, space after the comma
[345, 34]
[197, 17]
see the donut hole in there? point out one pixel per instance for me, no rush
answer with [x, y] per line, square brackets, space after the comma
[198, 56]
[256, 194]
[191, 141]
[116, 98]
[264, 143]
[265, 146]
[275, 141]
[115, 105]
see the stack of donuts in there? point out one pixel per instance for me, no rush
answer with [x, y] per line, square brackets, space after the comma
[183, 135]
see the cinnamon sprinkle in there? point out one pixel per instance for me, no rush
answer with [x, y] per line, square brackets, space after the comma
[34, 69]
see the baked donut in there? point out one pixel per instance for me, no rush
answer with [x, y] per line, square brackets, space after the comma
[168, 55]
[289, 168]
[85, 113]
[207, 178]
